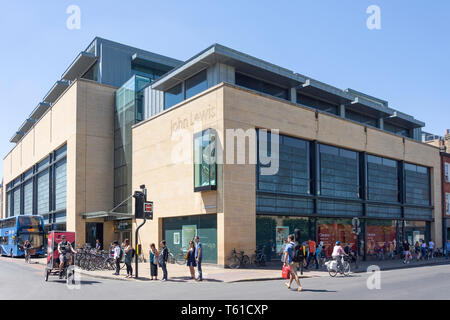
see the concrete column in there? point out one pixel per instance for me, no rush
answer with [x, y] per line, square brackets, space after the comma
[342, 110]
[293, 94]
[381, 123]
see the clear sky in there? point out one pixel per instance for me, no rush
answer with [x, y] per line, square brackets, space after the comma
[405, 62]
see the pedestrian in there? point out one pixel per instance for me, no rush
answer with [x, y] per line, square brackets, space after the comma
[431, 248]
[424, 249]
[98, 246]
[153, 262]
[163, 257]
[312, 254]
[198, 258]
[117, 256]
[190, 258]
[128, 256]
[417, 250]
[283, 246]
[287, 260]
[447, 249]
[323, 255]
[406, 251]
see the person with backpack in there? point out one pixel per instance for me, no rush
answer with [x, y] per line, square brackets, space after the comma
[292, 259]
[129, 253]
[117, 256]
[163, 257]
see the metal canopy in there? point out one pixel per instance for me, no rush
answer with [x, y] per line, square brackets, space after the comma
[325, 91]
[404, 120]
[39, 111]
[107, 214]
[365, 106]
[151, 61]
[56, 91]
[79, 66]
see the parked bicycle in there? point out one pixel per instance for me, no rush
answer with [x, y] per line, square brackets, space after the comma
[259, 258]
[238, 260]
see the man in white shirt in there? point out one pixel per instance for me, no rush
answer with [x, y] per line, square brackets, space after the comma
[117, 257]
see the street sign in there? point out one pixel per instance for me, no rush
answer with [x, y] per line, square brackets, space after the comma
[148, 210]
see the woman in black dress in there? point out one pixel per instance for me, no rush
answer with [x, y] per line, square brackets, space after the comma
[190, 257]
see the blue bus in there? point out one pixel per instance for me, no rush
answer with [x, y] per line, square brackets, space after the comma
[15, 231]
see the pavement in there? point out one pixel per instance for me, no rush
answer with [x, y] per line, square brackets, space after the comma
[272, 271]
[21, 281]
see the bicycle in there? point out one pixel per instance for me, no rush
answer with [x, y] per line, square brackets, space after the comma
[238, 260]
[333, 267]
[259, 258]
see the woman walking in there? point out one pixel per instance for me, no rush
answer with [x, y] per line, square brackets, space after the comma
[128, 256]
[190, 257]
[153, 262]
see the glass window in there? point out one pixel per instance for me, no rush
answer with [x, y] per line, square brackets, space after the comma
[173, 96]
[196, 84]
[330, 230]
[28, 198]
[61, 152]
[293, 174]
[60, 185]
[205, 160]
[381, 238]
[382, 179]
[447, 172]
[361, 118]
[261, 86]
[317, 104]
[43, 195]
[16, 208]
[339, 172]
[283, 205]
[417, 184]
[397, 130]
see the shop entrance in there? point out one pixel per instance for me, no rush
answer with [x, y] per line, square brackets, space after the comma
[94, 231]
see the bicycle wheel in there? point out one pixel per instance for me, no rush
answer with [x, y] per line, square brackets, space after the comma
[346, 268]
[254, 259]
[233, 263]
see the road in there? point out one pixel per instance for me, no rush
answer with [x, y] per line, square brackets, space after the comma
[21, 281]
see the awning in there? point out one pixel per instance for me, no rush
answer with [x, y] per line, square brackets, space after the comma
[325, 91]
[365, 106]
[404, 120]
[79, 66]
[107, 214]
[56, 91]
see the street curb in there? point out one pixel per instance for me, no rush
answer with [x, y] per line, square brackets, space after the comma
[406, 266]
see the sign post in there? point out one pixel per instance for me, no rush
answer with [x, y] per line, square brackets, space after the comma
[140, 200]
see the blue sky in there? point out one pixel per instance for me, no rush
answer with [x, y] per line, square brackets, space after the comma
[407, 62]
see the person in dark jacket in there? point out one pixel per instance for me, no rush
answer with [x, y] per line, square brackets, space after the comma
[153, 262]
[163, 257]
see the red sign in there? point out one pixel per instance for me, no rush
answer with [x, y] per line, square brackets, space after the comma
[148, 207]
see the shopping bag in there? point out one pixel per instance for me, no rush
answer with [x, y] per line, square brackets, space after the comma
[286, 272]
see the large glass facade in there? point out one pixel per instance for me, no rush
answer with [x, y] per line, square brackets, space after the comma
[42, 191]
[329, 186]
[128, 112]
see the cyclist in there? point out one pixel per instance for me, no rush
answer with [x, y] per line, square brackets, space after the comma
[338, 254]
[27, 249]
[64, 248]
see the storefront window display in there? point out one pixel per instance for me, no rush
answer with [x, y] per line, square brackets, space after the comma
[416, 231]
[381, 237]
[332, 230]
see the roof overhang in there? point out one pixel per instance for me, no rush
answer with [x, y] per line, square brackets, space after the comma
[153, 61]
[325, 91]
[79, 66]
[39, 111]
[241, 62]
[370, 108]
[107, 214]
[56, 91]
[404, 120]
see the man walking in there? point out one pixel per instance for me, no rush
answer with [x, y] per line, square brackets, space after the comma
[312, 253]
[164, 256]
[198, 257]
[287, 260]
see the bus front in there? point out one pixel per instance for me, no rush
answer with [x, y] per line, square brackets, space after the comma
[30, 228]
